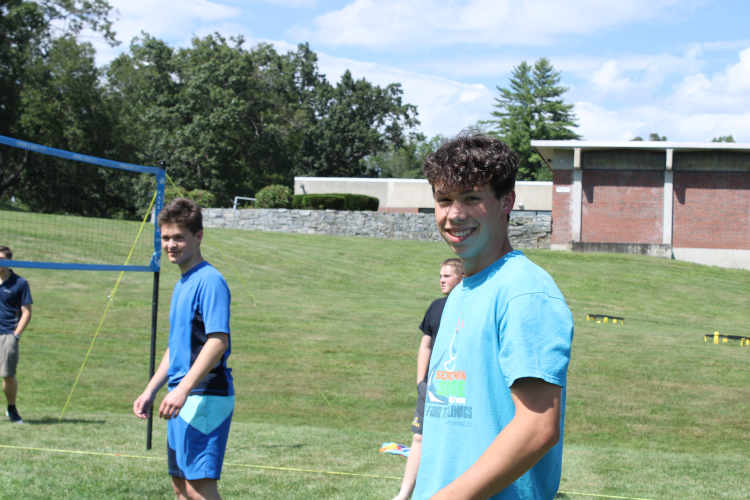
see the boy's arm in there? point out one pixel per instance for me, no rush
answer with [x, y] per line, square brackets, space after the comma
[534, 430]
[211, 353]
[23, 322]
[146, 400]
[423, 358]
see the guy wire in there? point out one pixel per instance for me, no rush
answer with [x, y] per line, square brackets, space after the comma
[109, 303]
[268, 319]
[291, 469]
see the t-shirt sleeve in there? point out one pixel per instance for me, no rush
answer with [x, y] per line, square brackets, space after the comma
[535, 335]
[25, 293]
[215, 303]
[425, 324]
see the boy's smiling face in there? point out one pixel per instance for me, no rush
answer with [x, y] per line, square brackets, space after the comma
[474, 223]
[180, 245]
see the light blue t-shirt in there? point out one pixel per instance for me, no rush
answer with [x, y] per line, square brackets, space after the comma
[200, 305]
[508, 321]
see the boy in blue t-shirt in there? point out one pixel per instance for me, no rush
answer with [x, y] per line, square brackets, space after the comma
[200, 401]
[495, 402]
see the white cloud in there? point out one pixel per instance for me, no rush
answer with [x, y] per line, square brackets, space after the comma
[399, 25]
[698, 108]
[619, 97]
[727, 91]
[163, 19]
[293, 3]
[600, 124]
[726, 45]
[445, 106]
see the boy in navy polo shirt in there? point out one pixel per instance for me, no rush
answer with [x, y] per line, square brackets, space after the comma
[15, 314]
[200, 401]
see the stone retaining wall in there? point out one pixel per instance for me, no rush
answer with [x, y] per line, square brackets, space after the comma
[525, 232]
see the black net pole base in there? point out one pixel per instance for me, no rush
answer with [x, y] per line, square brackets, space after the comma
[152, 357]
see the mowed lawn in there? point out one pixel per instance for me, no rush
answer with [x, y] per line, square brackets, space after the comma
[653, 411]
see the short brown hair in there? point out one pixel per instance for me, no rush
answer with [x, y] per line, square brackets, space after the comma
[472, 159]
[6, 251]
[455, 264]
[183, 212]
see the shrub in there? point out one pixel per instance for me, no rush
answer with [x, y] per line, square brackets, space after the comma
[335, 201]
[170, 193]
[319, 202]
[274, 196]
[206, 199]
[361, 202]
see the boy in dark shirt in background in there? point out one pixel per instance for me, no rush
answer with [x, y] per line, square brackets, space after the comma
[451, 274]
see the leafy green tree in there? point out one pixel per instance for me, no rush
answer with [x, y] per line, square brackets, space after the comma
[26, 34]
[37, 63]
[654, 137]
[227, 120]
[63, 107]
[723, 138]
[404, 162]
[351, 121]
[532, 108]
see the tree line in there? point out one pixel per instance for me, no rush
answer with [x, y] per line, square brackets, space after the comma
[225, 118]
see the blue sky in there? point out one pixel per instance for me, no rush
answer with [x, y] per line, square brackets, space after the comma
[680, 68]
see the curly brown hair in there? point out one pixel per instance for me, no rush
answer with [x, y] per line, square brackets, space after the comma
[183, 212]
[472, 159]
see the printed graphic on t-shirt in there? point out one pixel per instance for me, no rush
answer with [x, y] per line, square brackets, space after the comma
[446, 385]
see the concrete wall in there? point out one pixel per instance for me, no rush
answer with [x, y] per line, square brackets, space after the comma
[736, 259]
[392, 193]
[414, 193]
[652, 250]
[524, 232]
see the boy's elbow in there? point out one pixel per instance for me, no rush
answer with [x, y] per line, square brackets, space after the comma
[549, 435]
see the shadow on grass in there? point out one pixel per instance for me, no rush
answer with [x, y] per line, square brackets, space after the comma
[53, 421]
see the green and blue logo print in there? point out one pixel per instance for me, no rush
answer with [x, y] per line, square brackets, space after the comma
[446, 385]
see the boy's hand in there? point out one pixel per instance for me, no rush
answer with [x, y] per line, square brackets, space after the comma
[143, 403]
[173, 403]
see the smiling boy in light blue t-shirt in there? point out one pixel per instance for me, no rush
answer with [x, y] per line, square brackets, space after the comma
[495, 404]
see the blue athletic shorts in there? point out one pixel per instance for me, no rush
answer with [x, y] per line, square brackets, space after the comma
[197, 438]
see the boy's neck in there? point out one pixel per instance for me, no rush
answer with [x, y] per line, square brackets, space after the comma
[474, 265]
[186, 266]
[5, 273]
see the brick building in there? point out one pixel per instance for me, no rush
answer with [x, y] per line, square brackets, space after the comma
[687, 201]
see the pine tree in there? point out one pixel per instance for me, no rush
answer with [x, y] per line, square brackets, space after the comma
[723, 138]
[533, 109]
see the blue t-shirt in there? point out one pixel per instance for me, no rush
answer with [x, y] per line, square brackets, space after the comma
[14, 293]
[508, 321]
[200, 305]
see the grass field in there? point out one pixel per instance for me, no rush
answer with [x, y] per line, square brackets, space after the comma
[653, 412]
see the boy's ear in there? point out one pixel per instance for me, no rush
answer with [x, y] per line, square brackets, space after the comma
[509, 201]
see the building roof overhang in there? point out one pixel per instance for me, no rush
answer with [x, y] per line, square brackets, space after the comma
[546, 149]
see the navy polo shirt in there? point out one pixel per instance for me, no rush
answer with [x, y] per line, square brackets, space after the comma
[14, 293]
